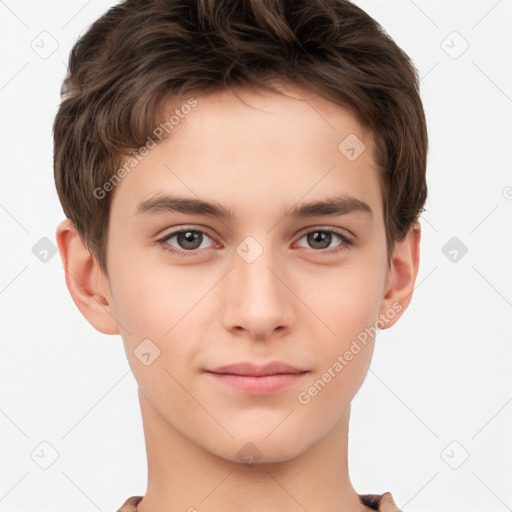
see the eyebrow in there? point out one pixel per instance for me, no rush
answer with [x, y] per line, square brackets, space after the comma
[339, 205]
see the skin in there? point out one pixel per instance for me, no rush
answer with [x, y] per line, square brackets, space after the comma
[258, 153]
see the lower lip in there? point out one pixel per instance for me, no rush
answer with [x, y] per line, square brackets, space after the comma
[262, 385]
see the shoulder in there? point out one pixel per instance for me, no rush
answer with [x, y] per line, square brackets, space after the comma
[380, 502]
[130, 505]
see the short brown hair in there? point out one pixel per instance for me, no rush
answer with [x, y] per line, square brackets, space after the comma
[142, 53]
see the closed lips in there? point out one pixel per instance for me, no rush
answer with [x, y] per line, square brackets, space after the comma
[250, 369]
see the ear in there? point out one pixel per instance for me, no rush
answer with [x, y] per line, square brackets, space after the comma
[401, 276]
[85, 280]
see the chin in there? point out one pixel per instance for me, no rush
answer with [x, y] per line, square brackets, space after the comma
[254, 451]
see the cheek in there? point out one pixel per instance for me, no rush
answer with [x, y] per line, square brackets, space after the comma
[156, 313]
[343, 352]
[160, 305]
[347, 299]
[330, 392]
[150, 298]
[348, 307]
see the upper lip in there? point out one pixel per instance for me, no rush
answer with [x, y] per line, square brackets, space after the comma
[272, 368]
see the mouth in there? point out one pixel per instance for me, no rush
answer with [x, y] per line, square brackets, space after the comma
[258, 380]
[253, 370]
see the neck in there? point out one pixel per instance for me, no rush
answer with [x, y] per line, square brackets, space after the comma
[184, 476]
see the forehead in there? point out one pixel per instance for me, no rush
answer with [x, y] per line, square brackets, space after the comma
[251, 148]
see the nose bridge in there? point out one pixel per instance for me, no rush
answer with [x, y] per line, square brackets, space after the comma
[258, 301]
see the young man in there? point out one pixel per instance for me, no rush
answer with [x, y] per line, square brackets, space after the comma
[242, 183]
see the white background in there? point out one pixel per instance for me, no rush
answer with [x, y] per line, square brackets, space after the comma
[442, 374]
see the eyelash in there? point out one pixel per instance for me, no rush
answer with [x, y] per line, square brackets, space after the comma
[346, 242]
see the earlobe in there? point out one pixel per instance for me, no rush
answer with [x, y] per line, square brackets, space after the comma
[84, 280]
[402, 275]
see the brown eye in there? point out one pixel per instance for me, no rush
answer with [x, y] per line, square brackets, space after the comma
[187, 241]
[320, 240]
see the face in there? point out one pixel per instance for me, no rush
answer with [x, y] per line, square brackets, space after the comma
[193, 291]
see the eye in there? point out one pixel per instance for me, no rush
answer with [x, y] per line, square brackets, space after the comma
[321, 238]
[188, 240]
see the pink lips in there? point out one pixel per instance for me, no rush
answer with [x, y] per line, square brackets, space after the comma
[258, 380]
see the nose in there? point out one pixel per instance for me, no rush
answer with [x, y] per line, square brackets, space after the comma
[259, 300]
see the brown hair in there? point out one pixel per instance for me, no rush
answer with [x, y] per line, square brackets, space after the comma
[142, 53]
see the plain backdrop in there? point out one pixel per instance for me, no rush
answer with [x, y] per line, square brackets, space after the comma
[432, 421]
